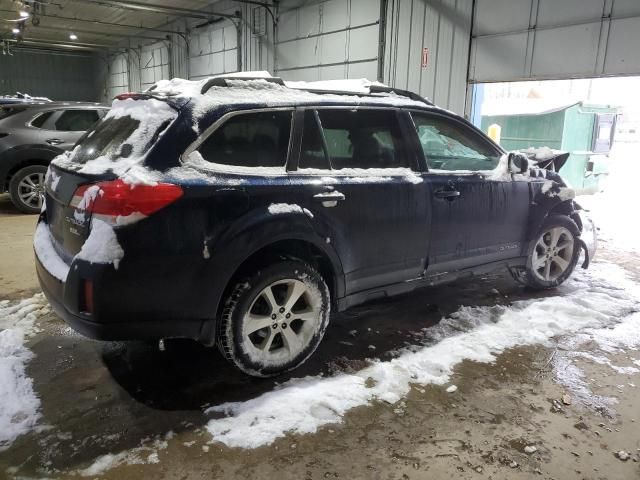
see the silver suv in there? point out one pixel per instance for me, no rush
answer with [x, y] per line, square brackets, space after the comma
[31, 135]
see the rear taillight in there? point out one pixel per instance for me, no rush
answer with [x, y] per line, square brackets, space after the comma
[117, 202]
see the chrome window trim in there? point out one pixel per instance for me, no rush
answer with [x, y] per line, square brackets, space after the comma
[237, 169]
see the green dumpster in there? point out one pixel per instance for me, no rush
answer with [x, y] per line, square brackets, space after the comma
[586, 131]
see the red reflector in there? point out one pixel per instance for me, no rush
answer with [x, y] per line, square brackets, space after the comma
[88, 296]
[119, 199]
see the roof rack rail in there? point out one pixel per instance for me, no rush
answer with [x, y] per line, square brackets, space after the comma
[222, 81]
[398, 91]
[373, 89]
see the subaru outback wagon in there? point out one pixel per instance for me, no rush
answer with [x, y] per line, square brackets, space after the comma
[241, 211]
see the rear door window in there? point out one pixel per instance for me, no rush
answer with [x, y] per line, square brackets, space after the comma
[363, 138]
[252, 139]
[76, 120]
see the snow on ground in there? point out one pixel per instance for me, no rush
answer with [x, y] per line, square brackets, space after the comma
[614, 210]
[19, 405]
[146, 453]
[598, 299]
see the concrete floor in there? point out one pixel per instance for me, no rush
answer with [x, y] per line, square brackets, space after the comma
[108, 398]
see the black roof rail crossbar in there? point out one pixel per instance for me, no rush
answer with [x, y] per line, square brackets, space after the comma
[222, 81]
[398, 91]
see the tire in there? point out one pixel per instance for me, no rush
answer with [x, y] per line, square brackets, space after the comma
[553, 254]
[26, 188]
[265, 334]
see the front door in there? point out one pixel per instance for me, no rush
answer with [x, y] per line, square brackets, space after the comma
[479, 214]
[363, 192]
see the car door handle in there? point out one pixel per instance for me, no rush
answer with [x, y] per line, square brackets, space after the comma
[329, 199]
[448, 194]
[54, 141]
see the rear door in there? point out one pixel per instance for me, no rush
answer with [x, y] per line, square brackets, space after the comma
[67, 126]
[476, 218]
[361, 187]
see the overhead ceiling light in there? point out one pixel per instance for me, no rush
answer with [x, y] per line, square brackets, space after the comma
[24, 14]
[15, 31]
[73, 36]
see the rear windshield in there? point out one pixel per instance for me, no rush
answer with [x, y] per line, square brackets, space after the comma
[8, 111]
[124, 136]
[108, 139]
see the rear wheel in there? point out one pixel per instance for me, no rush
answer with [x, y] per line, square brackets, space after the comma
[26, 188]
[555, 253]
[274, 320]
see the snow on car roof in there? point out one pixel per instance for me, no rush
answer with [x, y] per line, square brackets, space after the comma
[258, 89]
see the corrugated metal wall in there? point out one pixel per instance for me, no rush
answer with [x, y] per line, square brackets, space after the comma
[443, 28]
[63, 76]
[327, 40]
[154, 64]
[213, 50]
[548, 39]
[117, 75]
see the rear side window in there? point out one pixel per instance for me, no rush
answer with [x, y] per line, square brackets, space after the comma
[38, 122]
[256, 139]
[76, 120]
[365, 138]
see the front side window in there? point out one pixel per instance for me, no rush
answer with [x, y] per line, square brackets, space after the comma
[76, 120]
[450, 146]
[364, 138]
[256, 139]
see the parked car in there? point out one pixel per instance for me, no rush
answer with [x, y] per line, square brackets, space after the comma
[241, 212]
[21, 98]
[31, 134]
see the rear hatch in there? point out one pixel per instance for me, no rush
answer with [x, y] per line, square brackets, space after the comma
[84, 184]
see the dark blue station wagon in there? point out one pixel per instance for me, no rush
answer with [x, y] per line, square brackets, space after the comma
[240, 211]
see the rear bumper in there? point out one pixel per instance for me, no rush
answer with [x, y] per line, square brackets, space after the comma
[113, 318]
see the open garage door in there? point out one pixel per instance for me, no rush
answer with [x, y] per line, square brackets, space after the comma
[547, 39]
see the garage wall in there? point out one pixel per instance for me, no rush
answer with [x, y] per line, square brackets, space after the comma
[154, 64]
[59, 76]
[117, 75]
[549, 39]
[213, 50]
[443, 28]
[327, 39]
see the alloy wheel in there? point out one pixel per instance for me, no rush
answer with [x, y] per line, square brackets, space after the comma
[281, 321]
[31, 190]
[552, 254]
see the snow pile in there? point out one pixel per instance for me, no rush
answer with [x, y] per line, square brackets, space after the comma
[613, 208]
[356, 85]
[102, 245]
[43, 245]
[18, 403]
[304, 405]
[280, 208]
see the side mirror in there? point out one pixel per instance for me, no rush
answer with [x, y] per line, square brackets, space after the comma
[517, 163]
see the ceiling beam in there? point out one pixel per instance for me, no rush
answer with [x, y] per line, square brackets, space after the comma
[91, 32]
[154, 8]
[100, 22]
[55, 43]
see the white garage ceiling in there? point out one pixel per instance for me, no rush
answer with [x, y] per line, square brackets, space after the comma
[97, 23]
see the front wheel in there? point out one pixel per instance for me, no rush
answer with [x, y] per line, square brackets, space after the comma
[555, 253]
[274, 320]
[26, 188]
